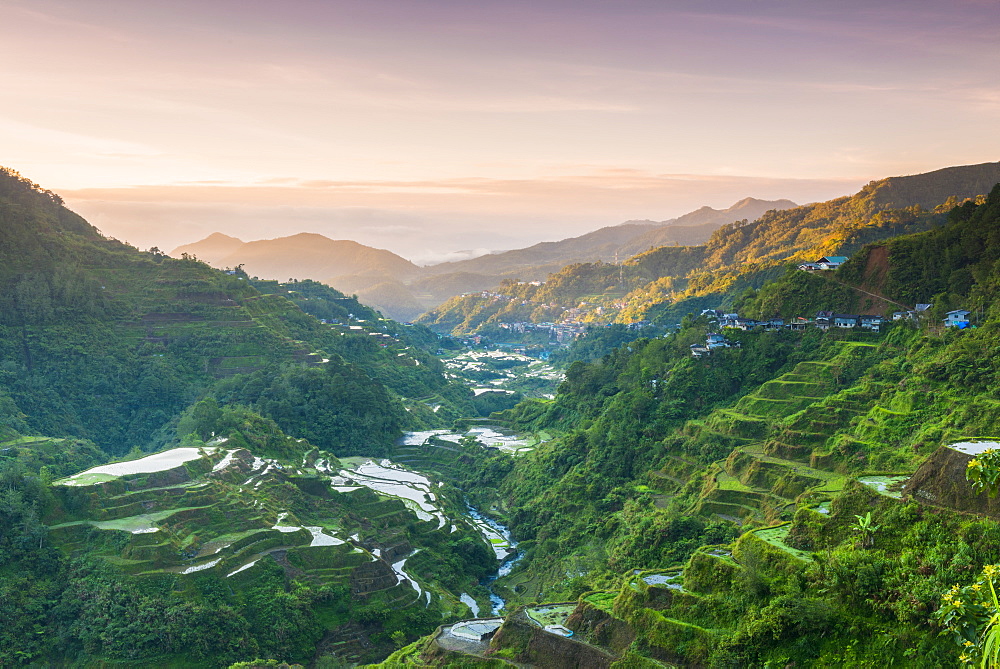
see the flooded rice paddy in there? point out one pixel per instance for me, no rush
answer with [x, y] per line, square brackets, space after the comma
[486, 435]
[974, 447]
[884, 485]
[157, 462]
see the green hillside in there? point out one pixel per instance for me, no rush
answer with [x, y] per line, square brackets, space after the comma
[104, 342]
[791, 499]
[233, 550]
[795, 444]
[667, 282]
[244, 547]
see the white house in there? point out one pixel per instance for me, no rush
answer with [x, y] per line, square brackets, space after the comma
[831, 262]
[870, 322]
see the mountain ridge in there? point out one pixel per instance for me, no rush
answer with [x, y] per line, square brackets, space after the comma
[403, 290]
[664, 283]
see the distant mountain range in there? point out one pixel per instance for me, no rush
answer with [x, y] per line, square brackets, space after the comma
[666, 282]
[403, 290]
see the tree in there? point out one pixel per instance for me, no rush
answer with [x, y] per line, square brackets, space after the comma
[983, 472]
[865, 530]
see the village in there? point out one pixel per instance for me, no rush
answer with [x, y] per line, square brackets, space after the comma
[824, 320]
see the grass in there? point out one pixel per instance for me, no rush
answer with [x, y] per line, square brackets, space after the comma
[86, 479]
[602, 600]
[555, 614]
[775, 536]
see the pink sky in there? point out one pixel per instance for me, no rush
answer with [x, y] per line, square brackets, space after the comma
[432, 126]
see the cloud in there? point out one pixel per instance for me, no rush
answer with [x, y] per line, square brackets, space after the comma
[92, 145]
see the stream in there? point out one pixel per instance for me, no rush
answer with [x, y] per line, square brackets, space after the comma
[508, 554]
[420, 494]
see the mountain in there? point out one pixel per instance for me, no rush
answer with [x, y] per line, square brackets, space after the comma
[932, 188]
[302, 256]
[607, 244]
[403, 291]
[85, 317]
[373, 274]
[808, 498]
[214, 249]
[665, 283]
[697, 226]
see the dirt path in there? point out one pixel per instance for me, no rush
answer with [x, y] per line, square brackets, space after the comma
[876, 296]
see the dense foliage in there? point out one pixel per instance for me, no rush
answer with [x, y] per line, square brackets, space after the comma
[746, 467]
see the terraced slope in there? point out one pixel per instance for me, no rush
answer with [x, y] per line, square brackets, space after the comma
[227, 515]
[774, 460]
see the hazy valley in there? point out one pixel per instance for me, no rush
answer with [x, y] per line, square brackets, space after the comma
[657, 444]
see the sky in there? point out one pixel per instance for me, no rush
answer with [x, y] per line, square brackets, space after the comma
[440, 128]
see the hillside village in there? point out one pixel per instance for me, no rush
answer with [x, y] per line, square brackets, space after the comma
[824, 320]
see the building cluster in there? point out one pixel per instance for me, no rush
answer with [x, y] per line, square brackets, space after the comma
[561, 332]
[957, 318]
[824, 320]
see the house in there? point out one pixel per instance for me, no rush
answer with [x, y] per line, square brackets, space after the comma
[699, 350]
[869, 322]
[824, 263]
[798, 323]
[899, 315]
[831, 262]
[728, 320]
[845, 321]
[745, 324]
[824, 319]
[773, 323]
[715, 340]
[959, 318]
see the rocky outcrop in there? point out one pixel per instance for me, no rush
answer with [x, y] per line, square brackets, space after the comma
[371, 577]
[941, 481]
[600, 627]
[533, 645]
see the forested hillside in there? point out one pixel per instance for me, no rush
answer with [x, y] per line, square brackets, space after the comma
[665, 283]
[102, 341]
[793, 497]
[798, 445]
[232, 544]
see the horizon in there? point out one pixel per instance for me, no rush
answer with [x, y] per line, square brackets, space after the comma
[463, 254]
[432, 129]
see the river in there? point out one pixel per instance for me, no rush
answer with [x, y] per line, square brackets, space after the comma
[508, 556]
[419, 493]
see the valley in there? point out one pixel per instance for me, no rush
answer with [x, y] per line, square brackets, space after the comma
[202, 468]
